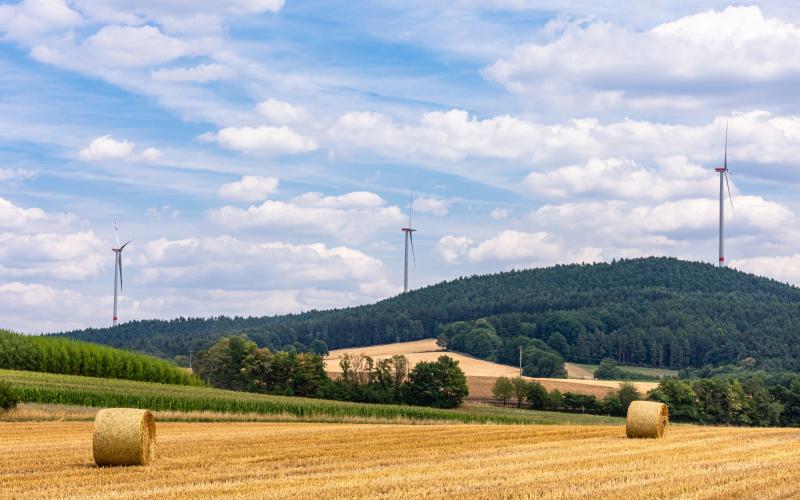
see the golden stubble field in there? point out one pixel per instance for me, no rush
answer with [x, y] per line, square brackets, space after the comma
[53, 459]
[481, 374]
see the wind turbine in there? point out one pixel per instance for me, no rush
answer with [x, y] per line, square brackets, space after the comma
[409, 239]
[117, 270]
[723, 182]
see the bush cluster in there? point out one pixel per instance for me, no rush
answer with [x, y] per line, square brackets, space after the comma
[9, 396]
[238, 363]
[535, 396]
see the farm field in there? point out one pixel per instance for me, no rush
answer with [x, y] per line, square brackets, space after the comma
[481, 374]
[655, 372]
[394, 461]
[56, 395]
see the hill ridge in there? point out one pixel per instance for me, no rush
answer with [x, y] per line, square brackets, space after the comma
[711, 315]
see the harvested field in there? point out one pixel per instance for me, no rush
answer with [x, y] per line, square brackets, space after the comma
[481, 374]
[53, 459]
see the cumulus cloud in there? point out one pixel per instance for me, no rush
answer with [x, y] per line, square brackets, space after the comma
[38, 308]
[151, 154]
[14, 216]
[250, 188]
[117, 47]
[353, 200]
[31, 19]
[435, 206]
[263, 139]
[66, 256]
[499, 213]
[517, 246]
[452, 249]
[228, 262]
[753, 214]
[620, 178]
[35, 243]
[282, 113]
[785, 268]
[202, 73]
[453, 135]
[351, 222]
[716, 49]
[106, 147]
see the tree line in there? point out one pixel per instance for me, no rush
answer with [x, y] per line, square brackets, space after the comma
[658, 312]
[65, 356]
[748, 400]
[238, 363]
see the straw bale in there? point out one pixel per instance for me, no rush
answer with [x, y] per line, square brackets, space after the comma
[124, 436]
[646, 419]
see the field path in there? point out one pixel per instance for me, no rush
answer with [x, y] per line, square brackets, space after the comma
[481, 374]
[53, 459]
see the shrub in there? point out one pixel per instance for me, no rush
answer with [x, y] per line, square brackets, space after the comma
[441, 384]
[8, 396]
[503, 389]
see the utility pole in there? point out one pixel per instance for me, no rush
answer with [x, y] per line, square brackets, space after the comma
[190, 361]
[520, 361]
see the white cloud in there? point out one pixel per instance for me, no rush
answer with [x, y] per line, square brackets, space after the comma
[227, 262]
[202, 73]
[664, 225]
[353, 200]
[435, 206]
[31, 19]
[353, 224]
[619, 178]
[756, 136]
[67, 256]
[250, 188]
[282, 113]
[725, 49]
[452, 249]
[116, 47]
[106, 147]
[784, 268]
[517, 246]
[151, 154]
[499, 213]
[12, 216]
[516, 249]
[263, 139]
[14, 174]
[38, 308]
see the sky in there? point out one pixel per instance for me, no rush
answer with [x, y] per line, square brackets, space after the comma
[262, 154]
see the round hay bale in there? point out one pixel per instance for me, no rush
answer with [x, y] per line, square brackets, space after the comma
[123, 436]
[646, 419]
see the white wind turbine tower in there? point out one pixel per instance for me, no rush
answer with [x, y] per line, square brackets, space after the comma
[117, 270]
[409, 235]
[723, 182]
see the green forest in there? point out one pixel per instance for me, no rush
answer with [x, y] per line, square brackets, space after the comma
[70, 357]
[658, 312]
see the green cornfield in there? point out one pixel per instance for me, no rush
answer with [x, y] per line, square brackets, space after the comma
[35, 387]
[72, 357]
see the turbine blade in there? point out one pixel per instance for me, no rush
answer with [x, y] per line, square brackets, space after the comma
[123, 246]
[730, 196]
[725, 164]
[119, 264]
[410, 207]
[413, 257]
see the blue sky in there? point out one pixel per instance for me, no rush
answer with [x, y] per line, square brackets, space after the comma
[261, 153]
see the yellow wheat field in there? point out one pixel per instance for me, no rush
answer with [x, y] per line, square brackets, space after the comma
[53, 459]
[481, 374]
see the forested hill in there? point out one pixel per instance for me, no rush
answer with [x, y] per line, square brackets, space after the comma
[650, 311]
